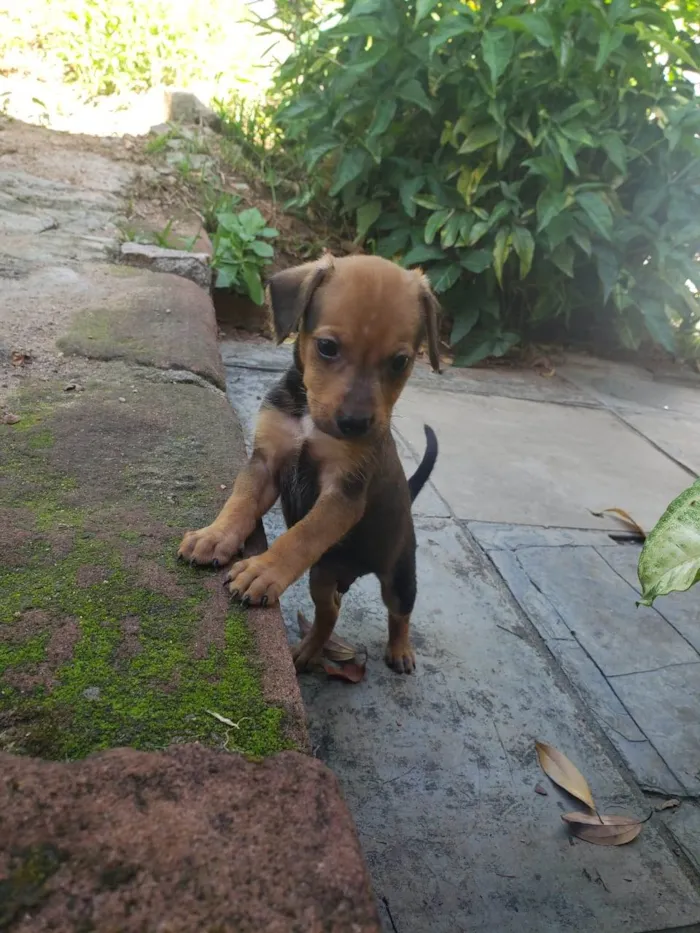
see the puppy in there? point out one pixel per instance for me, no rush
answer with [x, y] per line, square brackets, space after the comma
[323, 443]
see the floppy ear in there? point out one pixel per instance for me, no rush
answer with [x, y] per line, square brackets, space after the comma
[290, 292]
[430, 309]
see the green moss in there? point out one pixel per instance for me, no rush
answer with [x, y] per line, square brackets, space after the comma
[145, 691]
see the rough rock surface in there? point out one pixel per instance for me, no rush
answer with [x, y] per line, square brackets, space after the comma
[190, 840]
[189, 265]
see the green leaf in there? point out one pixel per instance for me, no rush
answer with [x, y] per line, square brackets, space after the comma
[674, 49]
[608, 270]
[597, 210]
[393, 243]
[314, 155]
[413, 92]
[615, 150]
[226, 277]
[478, 260]
[427, 200]
[365, 217]
[443, 276]
[422, 253]
[504, 148]
[491, 344]
[657, 322]
[477, 231]
[450, 232]
[670, 558]
[365, 7]
[450, 28]
[463, 324]
[549, 204]
[501, 251]
[251, 277]
[534, 24]
[566, 152]
[563, 258]
[497, 48]
[383, 115]
[423, 7]
[524, 246]
[269, 232]
[349, 168]
[435, 222]
[407, 191]
[609, 41]
[479, 137]
[262, 249]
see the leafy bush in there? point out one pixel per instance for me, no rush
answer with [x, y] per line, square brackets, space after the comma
[242, 250]
[539, 158]
[670, 558]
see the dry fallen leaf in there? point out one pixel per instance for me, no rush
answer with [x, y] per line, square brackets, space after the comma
[350, 671]
[541, 790]
[603, 830]
[624, 517]
[9, 418]
[336, 649]
[224, 720]
[558, 767]
[20, 357]
[668, 804]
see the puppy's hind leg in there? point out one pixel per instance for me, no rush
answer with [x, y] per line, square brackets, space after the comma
[399, 595]
[324, 592]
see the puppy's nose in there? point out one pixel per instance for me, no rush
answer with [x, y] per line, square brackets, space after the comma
[350, 426]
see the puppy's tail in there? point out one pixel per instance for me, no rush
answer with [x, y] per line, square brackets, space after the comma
[425, 467]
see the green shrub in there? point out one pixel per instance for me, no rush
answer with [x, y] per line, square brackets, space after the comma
[242, 250]
[540, 159]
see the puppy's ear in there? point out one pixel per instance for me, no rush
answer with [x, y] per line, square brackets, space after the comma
[289, 293]
[430, 309]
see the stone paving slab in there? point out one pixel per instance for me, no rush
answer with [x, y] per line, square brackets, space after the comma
[680, 609]
[677, 437]
[600, 608]
[666, 702]
[635, 668]
[628, 388]
[523, 462]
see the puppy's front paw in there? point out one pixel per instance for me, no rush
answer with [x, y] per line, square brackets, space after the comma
[211, 545]
[304, 653]
[257, 581]
[400, 656]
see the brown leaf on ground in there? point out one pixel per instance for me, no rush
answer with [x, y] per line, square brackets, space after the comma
[603, 830]
[543, 367]
[624, 517]
[350, 671]
[20, 357]
[9, 418]
[541, 790]
[558, 767]
[336, 649]
[668, 804]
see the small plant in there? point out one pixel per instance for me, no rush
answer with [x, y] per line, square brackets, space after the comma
[242, 250]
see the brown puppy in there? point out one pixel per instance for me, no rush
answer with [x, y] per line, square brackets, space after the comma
[323, 442]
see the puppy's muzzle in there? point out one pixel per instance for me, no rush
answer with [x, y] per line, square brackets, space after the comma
[354, 426]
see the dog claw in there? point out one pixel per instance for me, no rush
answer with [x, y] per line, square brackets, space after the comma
[245, 602]
[215, 563]
[263, 601]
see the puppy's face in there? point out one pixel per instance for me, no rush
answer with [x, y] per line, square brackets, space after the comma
[362, 321]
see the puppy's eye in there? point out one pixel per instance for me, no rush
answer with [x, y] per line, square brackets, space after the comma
[327, 348]
[399, 363]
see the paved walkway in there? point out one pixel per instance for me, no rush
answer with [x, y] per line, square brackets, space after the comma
[440, 769]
